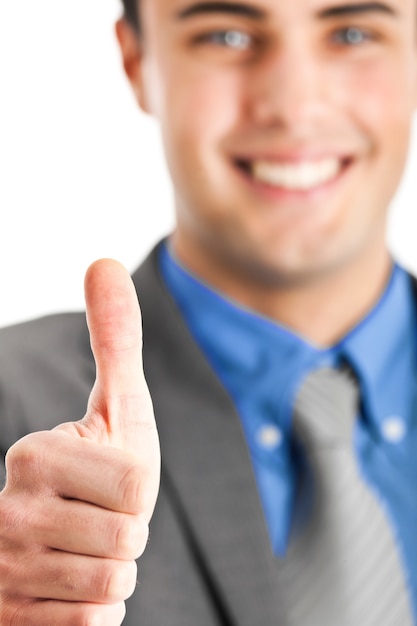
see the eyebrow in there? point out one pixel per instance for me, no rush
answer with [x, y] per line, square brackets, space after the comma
[355, 9]
[228, 8]
[206, 7]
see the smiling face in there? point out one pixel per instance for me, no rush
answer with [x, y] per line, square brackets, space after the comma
[285, 126]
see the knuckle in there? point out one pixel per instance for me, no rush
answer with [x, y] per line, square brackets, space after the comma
[7, 572]
[10, 517]
[11, 552]
[7, 617]
[25, 459]
[20, 518]
[12, 614]
[129, 488]
[131, 537]
[17, 570]
[124, 538]
[119, 581]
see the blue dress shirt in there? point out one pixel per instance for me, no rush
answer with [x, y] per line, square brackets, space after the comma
[262, 365]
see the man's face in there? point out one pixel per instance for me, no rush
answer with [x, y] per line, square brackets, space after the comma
[285, 125]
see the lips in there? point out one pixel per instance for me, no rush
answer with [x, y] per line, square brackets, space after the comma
[300, 175]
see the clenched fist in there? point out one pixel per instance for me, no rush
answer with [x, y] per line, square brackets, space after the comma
[75, 510]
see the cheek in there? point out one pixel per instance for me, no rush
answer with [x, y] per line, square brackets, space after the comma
[380, 99]
[202, 107]
[202, 110]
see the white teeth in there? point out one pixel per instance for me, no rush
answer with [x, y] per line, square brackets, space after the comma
[297, 176]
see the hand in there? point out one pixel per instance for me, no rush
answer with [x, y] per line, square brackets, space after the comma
[75, 510]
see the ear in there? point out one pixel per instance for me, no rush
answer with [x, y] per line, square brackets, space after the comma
[131, 49]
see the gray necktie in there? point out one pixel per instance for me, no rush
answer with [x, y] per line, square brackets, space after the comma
[343, 566]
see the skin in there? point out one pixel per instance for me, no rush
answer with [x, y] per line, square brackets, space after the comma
[315, 260]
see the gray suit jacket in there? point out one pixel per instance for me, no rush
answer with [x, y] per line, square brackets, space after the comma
[209, 560]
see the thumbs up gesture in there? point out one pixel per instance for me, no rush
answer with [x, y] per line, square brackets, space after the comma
[78, 499]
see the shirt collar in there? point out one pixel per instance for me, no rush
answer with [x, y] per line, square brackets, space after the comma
[242, 344]
[382, 351]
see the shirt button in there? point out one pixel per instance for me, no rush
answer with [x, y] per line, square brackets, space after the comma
[269, 437]
[394, 429]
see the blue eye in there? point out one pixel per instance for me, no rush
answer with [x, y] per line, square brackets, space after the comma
[231, 39]
[351, 36]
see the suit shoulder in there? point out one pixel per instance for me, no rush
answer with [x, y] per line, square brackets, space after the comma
[46, 372]
[53, 329]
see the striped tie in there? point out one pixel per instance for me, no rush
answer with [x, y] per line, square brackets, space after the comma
[342, 567]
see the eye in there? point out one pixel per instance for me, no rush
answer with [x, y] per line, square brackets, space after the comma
[352, 36]
[235, 39]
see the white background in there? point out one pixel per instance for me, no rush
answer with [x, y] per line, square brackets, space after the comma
[82, 174]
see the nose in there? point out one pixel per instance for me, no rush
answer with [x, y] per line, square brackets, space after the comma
[289, 88]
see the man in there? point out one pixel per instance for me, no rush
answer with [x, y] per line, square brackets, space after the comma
[286, 128]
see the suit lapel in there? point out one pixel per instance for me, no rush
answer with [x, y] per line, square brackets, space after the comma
[206, 458]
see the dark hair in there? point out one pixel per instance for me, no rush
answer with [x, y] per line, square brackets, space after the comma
[131, 12]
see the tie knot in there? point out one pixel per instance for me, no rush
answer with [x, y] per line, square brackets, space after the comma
[326, 407]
